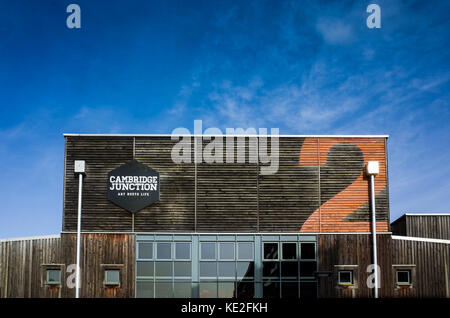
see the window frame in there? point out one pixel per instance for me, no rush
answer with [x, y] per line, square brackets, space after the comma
[215, 251]
[252, 249]
[352, 280]
[409, 271]
[47, 271]
[264, 259]
[153, 251]
[296, 259]
[105, 277]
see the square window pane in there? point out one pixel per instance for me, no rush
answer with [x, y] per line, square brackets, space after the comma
[208, 250]
[270, 250]
[289, 250]
[163, 290]
[112, 276]
[227, 269]
[307, 269]
[208, 290]
[144, 289]
[245, 270]
[144, 269]
[404, 277]
[163, 269]
[182, 250]
[245, 250]
[226, 251]
[245, 289]
[226, 290]
[308, 251]
[182, 269]
[289, 289]
[289, 270]
[345, 277]
[271, 290]
[163, 250]
[182, 290]
[271, 269]
[53, 276]
[145, 250]
[208, 269]
[308, 290]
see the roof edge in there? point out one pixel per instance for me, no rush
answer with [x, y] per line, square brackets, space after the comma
[229, 135]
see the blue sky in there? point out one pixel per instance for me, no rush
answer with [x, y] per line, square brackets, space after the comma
[305, 67]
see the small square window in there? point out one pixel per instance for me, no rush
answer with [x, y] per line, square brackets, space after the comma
[345, 277]
[53, 276]
[112, 277]
[403, 277]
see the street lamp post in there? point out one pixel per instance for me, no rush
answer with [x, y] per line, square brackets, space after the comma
[79, 169]
[372, 170]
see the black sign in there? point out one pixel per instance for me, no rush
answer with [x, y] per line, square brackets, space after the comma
[133, 186]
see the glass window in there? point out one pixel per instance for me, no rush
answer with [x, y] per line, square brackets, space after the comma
[308, 251]
[208, 290]
[182, 250]
[53, 276]
[289, 270]
[145, 250]
[271, 290]
[226, 250]
[245, 270]
[345, 277]
[245, 250]
[404, 277]
[208, 269]
[208, 250]
[163, 269]
[182, 290]
[163, 250]
[308, 290]
[182, 269]
[271, 251]
[144, 269]
[112, 277]
[245, 289]
[144, 289]
[289, 289]
[226, 290]
[289, 250]
[163, 290]
[227, 269]
[307, 269]
[271, 270]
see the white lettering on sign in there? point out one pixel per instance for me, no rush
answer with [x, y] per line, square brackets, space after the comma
[133, 183]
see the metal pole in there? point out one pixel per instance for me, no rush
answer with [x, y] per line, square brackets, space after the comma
[374, 234]
[77, 282]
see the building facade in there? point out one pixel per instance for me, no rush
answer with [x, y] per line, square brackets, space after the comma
[225, 228]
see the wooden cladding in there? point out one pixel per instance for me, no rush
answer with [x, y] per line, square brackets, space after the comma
[353, 252]
[23, 265]
[319, 187]
[429, 261]
[422, 225]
